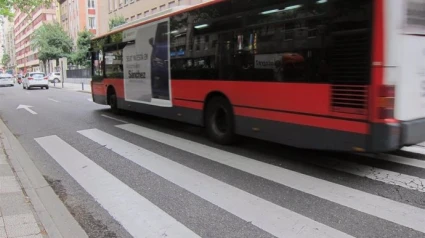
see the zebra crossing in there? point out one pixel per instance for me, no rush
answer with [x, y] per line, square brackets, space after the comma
[276, 217]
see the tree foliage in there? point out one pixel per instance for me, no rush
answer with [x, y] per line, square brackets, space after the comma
[79, 57]
[26, 6]
[51, 41]
[116, 21]
[5, 60]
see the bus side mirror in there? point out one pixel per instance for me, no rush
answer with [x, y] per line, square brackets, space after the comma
[151, 41]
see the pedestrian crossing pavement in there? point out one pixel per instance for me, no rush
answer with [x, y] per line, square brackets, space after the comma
[358, 212]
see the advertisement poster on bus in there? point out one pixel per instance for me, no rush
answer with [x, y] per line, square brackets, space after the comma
[146, 64]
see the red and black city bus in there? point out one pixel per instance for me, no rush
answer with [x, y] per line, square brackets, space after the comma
[346, 75]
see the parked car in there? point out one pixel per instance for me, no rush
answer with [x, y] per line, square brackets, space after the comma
[35, 80]
[6, 80]
[55, 77]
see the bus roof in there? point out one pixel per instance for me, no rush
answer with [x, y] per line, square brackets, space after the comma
[163, 14]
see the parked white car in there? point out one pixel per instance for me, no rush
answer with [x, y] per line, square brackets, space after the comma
[55, 77]
[35, 80]
[7, 80]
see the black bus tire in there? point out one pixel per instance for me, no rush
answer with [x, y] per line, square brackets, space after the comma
[113, 102]
[219, 121]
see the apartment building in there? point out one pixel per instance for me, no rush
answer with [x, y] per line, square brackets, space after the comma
[3, 21]
[135, 9]
[79, 15]
[9, 45]
[24, 27]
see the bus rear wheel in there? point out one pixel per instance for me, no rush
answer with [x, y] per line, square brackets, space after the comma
[113, 102]
[219, 121]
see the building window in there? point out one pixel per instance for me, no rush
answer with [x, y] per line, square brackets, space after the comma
[162, 7]
[92, 23]
[146, 13]
[91, 3]
[172, 4]
[154, 10]
[139, 15]
[132, 18]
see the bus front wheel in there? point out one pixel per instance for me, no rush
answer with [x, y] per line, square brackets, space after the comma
[219, 121]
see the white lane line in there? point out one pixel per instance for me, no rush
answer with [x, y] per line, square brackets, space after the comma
[377, 174]
[270, 217]
[414, 149]
[136, 214]
[53, 100]
[399, 160]
[374, 205]
[113, 118]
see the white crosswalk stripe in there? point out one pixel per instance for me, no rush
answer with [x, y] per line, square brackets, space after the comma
[272, 218]
[415, 149]
[400, 213]
[139, 216]
[142, 218]
[400, 160]
[381, 175]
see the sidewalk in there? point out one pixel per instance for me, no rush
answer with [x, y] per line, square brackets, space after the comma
[86, 88]
[29, 208]
[17, 216]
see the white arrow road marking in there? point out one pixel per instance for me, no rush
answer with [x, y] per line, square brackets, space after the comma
[53, 100]
[26, 107]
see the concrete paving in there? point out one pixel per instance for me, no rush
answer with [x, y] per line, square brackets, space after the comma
[17, 215]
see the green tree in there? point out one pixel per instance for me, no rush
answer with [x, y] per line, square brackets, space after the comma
[5, 60]
[116, 21]
[26, 6]
[79, 57]
[52, 42]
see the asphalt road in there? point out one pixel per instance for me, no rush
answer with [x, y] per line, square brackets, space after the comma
[138, 176]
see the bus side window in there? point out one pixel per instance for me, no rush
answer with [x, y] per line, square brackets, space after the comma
[97, 63]
[114, 62]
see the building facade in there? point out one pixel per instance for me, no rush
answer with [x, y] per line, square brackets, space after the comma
[9, 46]
[80, 15]
[24, 27]
[3, 22]
[135, 9]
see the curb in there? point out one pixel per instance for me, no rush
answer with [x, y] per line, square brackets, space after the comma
[80, 91]
[54, 216]
[71, 90]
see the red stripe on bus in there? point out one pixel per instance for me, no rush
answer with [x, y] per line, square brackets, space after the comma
[296, 97]
[188, 104]
[100, 88]
[321, 122]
